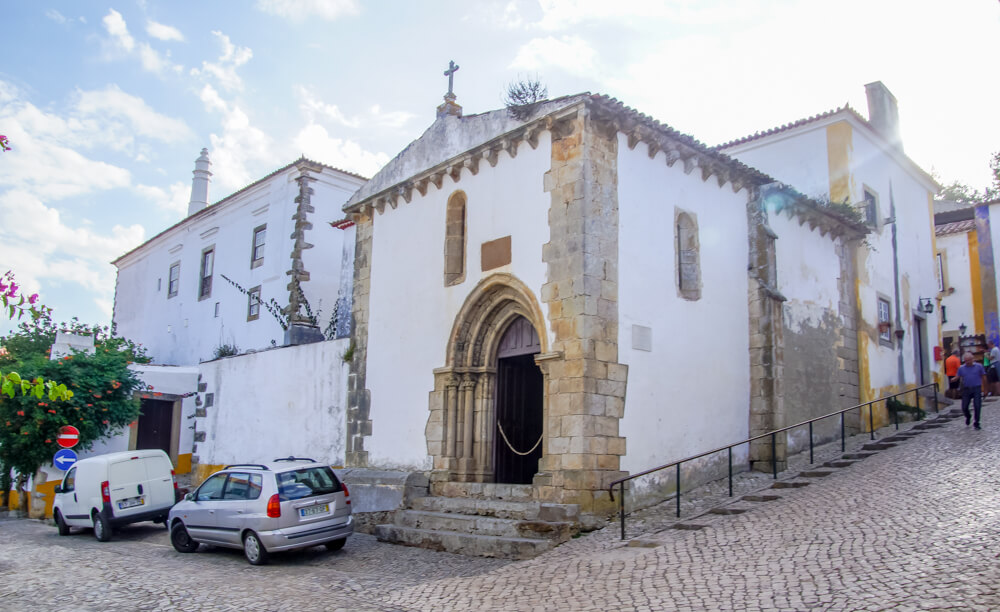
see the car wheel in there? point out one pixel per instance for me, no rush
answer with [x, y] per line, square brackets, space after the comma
[102, 531]
[253, 550]
[181, 539]
[61, 524]
[336, 544]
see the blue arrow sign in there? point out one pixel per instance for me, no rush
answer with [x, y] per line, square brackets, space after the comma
[64, 458]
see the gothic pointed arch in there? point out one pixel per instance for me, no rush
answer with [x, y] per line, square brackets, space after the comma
[460, 427]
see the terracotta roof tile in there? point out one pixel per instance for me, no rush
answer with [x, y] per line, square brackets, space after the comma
[955, 228]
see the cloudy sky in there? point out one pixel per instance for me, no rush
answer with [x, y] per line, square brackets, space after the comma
[107, 104]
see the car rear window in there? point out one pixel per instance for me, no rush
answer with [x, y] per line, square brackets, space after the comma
[307, 482]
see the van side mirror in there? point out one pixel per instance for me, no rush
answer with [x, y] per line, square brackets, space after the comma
[58, 489]
[189, 497]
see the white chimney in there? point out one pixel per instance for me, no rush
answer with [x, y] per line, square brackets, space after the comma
[199, 184]
[883, 112]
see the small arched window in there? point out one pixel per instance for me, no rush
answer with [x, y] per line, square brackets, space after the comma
[687, 259]
[454, 240]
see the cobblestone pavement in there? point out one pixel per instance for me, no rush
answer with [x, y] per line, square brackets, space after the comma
[915, 527]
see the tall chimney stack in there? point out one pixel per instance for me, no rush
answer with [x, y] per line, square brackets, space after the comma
[199, 184]
[883, 113]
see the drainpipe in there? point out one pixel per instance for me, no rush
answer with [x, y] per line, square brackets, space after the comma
[895, 277]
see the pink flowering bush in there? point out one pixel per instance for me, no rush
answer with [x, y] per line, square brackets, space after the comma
[4, 143]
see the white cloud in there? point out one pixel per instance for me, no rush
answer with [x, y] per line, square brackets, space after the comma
[224, 70]
[163, 32]
[117, 109]
[565, 14]
[49, 163]
[317, 111]
[316, 143]
[570, 53]
[36, 243]
[300, 10]
[240, 147]
[55, 16]
[313, 107]
[174, 202]
[115, 26]
[123, 43]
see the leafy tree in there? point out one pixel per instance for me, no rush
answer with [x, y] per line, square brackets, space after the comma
[100, 400]
[15, 304]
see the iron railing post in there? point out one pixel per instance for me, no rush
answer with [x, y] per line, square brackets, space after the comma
[871, 419]
[621, 505]
[730, 471]
[917, 394]
[842, 432]
[774, 456]
[935, 397]
[895, 415]
[678, 490]
[810, 442]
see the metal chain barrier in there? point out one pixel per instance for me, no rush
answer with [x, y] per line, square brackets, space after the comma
[512, 449]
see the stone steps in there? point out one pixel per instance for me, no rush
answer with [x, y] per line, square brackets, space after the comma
[501, 528]
[485, 525]
[464, 543]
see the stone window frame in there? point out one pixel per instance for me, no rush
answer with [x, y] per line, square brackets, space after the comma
[941, 261]
[690, 292]
[455, 238]
[257, 250]
[884, 338]
[870, 207]
[205, 281]
[252, 294]
[173, 282]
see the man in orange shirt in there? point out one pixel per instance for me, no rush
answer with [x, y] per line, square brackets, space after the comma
[951, 365]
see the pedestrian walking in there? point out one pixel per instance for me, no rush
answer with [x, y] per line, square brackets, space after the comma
[992, 372]
[951, 365]
[971, 376]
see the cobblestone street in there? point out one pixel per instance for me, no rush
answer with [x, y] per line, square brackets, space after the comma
[913, 527]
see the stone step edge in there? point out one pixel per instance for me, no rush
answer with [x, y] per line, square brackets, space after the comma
[395, 534]
[471, 518]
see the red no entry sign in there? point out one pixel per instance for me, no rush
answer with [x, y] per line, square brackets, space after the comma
[68, 436]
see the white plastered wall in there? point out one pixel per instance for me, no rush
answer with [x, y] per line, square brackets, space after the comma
[690, 392]
[957, 275]
[412, 312]
[275, 403]
[184, 329]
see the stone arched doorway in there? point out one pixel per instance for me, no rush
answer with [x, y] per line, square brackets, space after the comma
[462, 431]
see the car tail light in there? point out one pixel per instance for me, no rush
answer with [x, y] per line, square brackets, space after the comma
[347, 494]
[274, 506]
[173, 477]
[106, 492]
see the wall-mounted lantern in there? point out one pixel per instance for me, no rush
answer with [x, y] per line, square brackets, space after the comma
[961, 329]
[926, 305]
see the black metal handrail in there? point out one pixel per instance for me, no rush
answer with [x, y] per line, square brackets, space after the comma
[773, 435]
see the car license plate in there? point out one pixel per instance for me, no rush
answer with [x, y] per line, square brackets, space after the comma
[311, 510]
[131, 502]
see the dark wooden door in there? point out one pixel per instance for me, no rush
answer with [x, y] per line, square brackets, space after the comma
[519, 396]
[155, 425]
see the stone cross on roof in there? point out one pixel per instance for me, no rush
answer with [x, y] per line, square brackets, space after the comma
[450, 73]
[450, 107]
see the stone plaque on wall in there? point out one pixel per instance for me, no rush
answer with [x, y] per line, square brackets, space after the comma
[642, 338]
[496, 253]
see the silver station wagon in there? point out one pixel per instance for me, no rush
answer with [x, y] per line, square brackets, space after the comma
[264, 508]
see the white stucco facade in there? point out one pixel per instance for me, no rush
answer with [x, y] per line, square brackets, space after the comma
[412, 312]
[689, 392]
[275, 403]
[841, 153]
[957, 296]
[185, 328]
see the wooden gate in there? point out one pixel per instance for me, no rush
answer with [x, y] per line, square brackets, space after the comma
[154, 425]
[519, 401]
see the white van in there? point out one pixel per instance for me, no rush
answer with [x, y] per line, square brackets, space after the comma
[116, 489]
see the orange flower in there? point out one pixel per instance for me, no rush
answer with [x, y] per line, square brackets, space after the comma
[88, 406]
[52, 411]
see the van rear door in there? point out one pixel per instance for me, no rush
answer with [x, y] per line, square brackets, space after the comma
[129, 488]
[161, 482]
